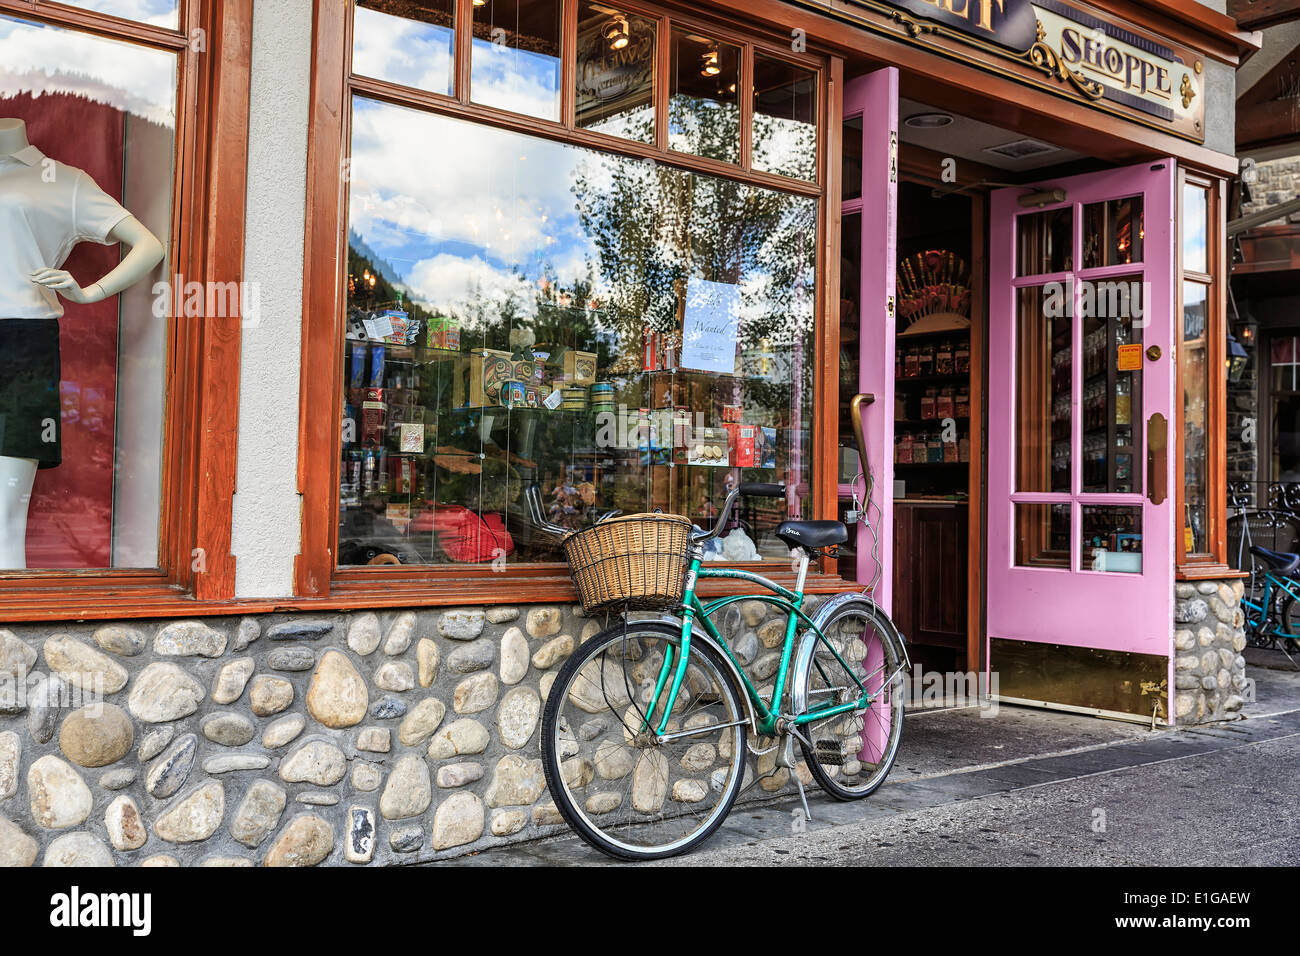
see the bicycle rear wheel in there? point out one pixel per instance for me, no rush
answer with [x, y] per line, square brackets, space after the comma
[619, 789]
[852, 753]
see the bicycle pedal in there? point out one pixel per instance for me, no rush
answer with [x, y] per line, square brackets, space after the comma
[830, 752]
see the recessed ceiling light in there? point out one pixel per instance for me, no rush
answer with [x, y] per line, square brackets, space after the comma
[928, 121]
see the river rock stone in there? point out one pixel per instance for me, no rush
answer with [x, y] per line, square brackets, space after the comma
[772, 633]
[231, 680]
[547, 815]
[317, 798]
[119, 639]
[471, 657]
[399, 634]
[689, 791]
[228, 729]
[152, 744]
[164, 692]
[394, 676]
[767, 665]
[161, 860]
[457, 821]
[291, 659]
[338, 696]
[388, 708]
[96, 736]
[463, 624]
[59, 797]
[283, 731]
[406, 840]
[359, 845]
[249, 630]
[475, 693]
[421, 722]
[16, 655]
[516, 782]
[543, 621]
[409, 791]
[306, 841]
[553, 651]
[118, 779]
[517, 716]
[194, 817]
[364, 634]
[16, 847]
[10, 757]
[603, 802]
[366, 777]
[126, 830]
[269, 695]
[463, 737]
[501, 615]
[82, 666]
[78, 850]
[45, 698]
[189, 639]
[212, 862]
[650, 781]
[169, 772]
[459, 774]
[614, 760]
[258, 814]
[514, 656]
[375, 740]
[299, 630]
[506, 822]
[546, 683]
[317, 762]
[426, 661]
[234, 763]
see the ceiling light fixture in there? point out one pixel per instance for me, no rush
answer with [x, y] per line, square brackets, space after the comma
[616, 33]
[709, 62]
[928, 121]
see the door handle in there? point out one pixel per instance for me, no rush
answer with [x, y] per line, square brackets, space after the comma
[1157, 441]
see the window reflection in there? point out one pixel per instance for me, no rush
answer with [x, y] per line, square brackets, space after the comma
[618, 334]
[704, 102]
[159, 13]
[1112, 539]
[1044, 242]
[410, 42]
[785, 118]
[1196, 393]
[516, 56]
[1113, 232]
[615, 72]
[1196, 204]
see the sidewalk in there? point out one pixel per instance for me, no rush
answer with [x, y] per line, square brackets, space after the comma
[955, 757]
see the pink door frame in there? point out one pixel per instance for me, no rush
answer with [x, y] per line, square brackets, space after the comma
[1102, 610]
[874, 97]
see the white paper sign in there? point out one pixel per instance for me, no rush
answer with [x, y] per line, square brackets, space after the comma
[711, 326]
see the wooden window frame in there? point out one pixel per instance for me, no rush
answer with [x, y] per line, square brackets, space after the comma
[213, 44]
[316, 573]
[1211, 563]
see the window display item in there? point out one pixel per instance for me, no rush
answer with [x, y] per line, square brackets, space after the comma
[579, 367]
[467, 538]
[374, 417]
[29, 391]
[709, 446]
[377, 354]
[575, 399]
[489, 370]
[742, 445]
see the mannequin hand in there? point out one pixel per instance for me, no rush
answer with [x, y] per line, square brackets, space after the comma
[65, 285]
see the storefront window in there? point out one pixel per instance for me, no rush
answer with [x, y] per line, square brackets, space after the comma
[411, 42]
[1044, 242]
[1196, 394]
[516, 56]
[785, 118]
[82, 385]
[159, 13]
[704, 102]
[538, 319]
[1044, 411]
[1042, 535]
[1113, 232]
[616, 72]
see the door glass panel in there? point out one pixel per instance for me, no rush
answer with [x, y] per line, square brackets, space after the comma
[1112, 538]
[704, 100]
[851, 150]
[1113, 232]
[1044, 363]
[1111, 311]
[615, 76]
[1196, 388]
[785, 118]
[515, 60]
[1045, 242]
[1042, 535]
[1196, 205]
[404, 42]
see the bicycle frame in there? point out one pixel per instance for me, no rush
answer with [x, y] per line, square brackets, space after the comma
[1264, 608]
[767, 714]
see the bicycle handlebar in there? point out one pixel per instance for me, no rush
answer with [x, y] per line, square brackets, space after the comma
[752, 489]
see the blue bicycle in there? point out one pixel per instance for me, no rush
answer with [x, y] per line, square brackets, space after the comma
[1272, 604]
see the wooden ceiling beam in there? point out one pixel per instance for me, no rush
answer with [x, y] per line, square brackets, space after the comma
[1261, 14]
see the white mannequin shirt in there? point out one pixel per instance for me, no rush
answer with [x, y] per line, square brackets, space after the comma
[40, 223]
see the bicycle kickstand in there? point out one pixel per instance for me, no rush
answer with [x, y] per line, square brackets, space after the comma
[786, 759]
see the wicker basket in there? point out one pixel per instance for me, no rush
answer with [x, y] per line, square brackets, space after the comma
[634, 561]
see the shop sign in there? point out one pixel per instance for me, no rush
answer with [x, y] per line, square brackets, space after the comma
[1058, 45]
[611, 81]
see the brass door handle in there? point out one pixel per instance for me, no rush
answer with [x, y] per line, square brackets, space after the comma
[1157, 442]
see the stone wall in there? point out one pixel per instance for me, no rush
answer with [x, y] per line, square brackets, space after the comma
[1276, 181]
[293, 740]
[1209, 670]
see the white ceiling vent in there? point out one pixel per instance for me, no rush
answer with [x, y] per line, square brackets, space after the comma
[1022, 149]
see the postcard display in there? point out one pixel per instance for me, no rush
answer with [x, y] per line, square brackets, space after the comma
[441, 436]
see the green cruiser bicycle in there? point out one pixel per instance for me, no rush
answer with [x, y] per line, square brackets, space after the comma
[647, 725]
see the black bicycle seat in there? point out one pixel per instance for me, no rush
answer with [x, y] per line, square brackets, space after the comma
[815, 534]
[1283, 562]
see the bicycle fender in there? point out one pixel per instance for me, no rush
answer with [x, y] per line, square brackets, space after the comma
[699, 634]
[808, 644]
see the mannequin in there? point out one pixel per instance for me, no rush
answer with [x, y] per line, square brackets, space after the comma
[46, 208]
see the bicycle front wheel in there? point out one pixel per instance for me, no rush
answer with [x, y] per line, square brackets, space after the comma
[852, 753]
[622, 791]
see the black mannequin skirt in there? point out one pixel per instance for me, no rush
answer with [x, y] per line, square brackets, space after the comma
[29, 390]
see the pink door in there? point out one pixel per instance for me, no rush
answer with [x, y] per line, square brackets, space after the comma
[1080, 404]
[870, 213]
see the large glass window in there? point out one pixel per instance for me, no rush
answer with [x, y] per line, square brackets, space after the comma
[516, 56]
[607, 333]
[785, 118]
[82, 387]
[411, 42]
[616, 72]
[1196, 368]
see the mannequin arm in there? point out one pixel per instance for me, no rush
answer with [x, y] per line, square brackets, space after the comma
[146, 252]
